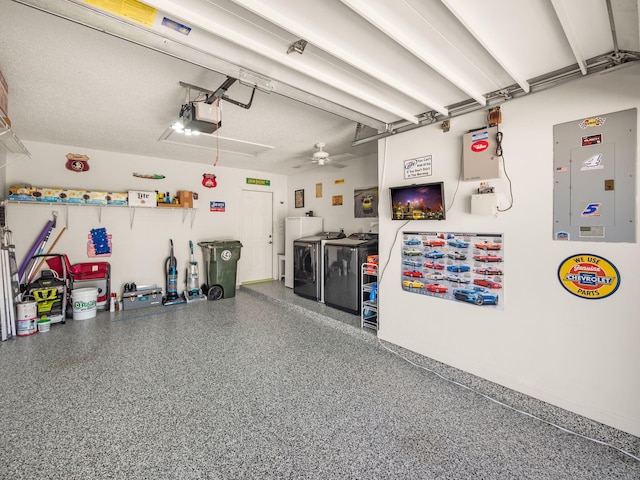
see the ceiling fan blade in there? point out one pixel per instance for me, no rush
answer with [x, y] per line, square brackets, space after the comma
[341, 157]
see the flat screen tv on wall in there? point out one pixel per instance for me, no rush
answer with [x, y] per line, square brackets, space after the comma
[418, 202]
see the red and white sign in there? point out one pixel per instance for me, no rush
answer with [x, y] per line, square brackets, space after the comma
[479, 146]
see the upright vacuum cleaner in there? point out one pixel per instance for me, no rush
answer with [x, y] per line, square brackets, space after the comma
[192, 280]
[171, 280]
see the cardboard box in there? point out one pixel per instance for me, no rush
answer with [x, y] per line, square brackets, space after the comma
[185, 198]
[96, 198]
[22, 193]
[138, 198]
[72, 196]
[48, 194]
[116, 198]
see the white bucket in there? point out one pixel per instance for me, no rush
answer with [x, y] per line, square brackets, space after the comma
[26, 317]
[44, 326]
[26, 310]
[85, 301]
[26, 327]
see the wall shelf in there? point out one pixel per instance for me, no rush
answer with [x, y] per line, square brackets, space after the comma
[186, 212]
[9, 139]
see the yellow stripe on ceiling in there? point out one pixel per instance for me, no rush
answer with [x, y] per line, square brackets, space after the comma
[130, 9]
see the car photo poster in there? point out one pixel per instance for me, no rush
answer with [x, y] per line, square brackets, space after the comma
[365, 202]
[462, 267]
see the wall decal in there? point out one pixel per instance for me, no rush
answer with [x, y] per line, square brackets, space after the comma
[588, 276]
[152, 176]
[258, 181]
[217, 207]
[77, 162]
[209, 180]
[418, 167]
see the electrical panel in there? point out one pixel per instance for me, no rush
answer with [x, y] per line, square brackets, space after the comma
[594, 195]
[479, 159]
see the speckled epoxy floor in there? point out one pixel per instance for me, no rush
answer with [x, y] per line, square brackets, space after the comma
[263, 385]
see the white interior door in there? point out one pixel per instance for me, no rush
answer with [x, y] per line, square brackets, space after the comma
[256, 231]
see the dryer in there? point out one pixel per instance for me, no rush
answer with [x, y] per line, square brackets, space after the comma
[343, 260]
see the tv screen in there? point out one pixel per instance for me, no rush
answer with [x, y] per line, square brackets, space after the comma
[418, 202]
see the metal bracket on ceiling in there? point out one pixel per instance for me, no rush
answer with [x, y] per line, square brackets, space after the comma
[359, 128]
[621, 56]
[505, 94]
[427, 117]
[297, 47]
[219, 93]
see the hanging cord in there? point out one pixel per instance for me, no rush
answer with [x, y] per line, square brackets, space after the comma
[395, 239]
[453, 199]
[500, 154]
[217, 132]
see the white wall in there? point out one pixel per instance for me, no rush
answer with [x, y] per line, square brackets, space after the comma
[581, 355]
[3, 171]
[139, 250]
[359, 173]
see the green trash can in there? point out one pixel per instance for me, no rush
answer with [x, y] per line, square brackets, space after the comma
[221, 260]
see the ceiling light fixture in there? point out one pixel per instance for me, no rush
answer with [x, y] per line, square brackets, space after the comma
[297, 46]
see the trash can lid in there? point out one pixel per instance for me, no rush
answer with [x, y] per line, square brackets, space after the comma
[220, 244]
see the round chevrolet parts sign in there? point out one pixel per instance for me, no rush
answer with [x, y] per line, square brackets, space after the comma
[589, 276]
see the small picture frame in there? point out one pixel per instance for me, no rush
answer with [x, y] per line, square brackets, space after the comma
[299, 199]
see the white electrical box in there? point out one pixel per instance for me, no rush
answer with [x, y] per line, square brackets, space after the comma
[484, 204]
[479, 159]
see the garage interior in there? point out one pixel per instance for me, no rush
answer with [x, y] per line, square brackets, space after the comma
[268, 384]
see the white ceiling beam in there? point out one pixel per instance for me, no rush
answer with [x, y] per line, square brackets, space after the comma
[341, 35]
[565, 21]
[587, 27]
[421, 37]
[465, 12]
[216, 21]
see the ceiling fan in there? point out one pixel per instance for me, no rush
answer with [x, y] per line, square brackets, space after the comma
[323, 158]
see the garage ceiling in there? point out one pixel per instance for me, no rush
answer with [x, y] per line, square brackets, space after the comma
[113, 75]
